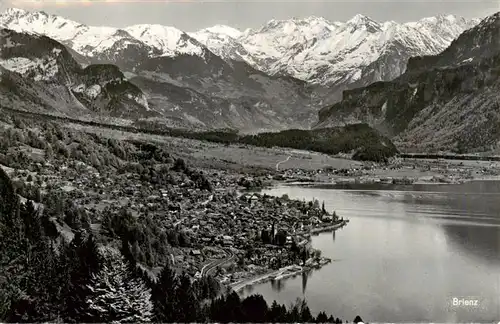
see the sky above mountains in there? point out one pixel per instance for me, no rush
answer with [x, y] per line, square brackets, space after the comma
[191, 15]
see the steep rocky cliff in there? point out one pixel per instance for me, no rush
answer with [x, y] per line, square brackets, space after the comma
[445, 102]
[38, 73]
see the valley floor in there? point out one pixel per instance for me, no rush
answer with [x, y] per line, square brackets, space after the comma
[311, 166]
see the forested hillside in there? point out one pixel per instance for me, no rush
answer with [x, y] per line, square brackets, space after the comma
[66, 259]
[364, 142]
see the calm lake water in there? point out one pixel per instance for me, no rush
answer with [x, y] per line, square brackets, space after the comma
[406, 253]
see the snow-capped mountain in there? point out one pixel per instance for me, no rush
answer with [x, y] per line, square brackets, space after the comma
[223, 41]
[88, 41]
[169, 41]
[261, 77]
[183, 79]
[313, 49]
[39, 74]
[331, 53]
[449, 101]
[105, 44]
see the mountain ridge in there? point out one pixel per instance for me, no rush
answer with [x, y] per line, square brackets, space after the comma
[271, 78]
[445, 102]
[40, 74]
[196, 91]
[272, 57]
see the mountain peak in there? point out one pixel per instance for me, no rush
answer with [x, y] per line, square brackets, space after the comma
[364, 22]
[168, 40]
[312, 20]
[11, 14]
[14, 11]
[223, 30]
[360, 19]
[439, 18]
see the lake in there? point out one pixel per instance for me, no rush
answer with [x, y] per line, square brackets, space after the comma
[405, 254]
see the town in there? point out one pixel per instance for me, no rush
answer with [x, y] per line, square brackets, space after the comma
[205, 222]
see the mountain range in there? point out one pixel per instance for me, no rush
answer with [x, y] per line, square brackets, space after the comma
[271, 78]
[444, 102]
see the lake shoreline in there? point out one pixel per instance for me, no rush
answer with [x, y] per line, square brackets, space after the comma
[394, 237]
[281, 274]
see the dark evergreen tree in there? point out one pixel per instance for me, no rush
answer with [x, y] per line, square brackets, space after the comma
[233, 306]
[294, 314]
[39, 290]
[13, 247]
[163, 296]
[255, 309]
[321, 318]
[274, 314]
[216, 311]
[180, 166]
[187, 310]
[32, 225]
[79, 262]
[38, 302]
[305, 313]
[280, 238]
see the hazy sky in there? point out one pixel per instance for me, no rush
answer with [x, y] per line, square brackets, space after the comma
[191, 15]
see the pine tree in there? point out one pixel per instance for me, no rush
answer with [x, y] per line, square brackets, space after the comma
[38, 287]
[232, 309]
[42, 286]
[274, 314]
[284, 315]
[115, 296]
[187, 309]
[12, 247]
[255, 309]
[163, 296]
[79, 262]
[321, 318]
[305, 312]
[294, 315]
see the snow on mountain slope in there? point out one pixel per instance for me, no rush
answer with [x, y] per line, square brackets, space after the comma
[356, 52]
[220, 32]
[222, 41]
[39, 74]
[104, 43]
[181, 74]
[169, 40]
[83, 39]
[40, 69]
[444, 102]
[324, 52]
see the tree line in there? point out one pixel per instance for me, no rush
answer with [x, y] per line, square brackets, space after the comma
[363, 141]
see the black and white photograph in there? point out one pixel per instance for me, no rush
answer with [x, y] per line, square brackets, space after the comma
[266, 161]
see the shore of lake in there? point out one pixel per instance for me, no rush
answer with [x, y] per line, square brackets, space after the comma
[280, 274]
[291, 270]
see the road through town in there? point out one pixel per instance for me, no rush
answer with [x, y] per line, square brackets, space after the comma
[210, 267]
